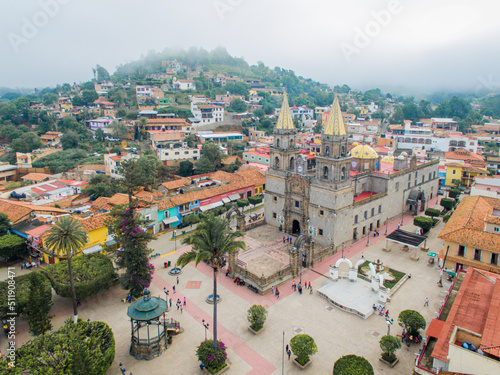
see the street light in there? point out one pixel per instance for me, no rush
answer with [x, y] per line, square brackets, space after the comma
[368, 239]
[206, 325]
[165, 290]
[389, 322]
[342, 250]
[386, 224]
[175, 240]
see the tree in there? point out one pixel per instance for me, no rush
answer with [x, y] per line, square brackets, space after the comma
[190, 219]
[389, 344]
[49, 98]
[411, 321]
[423, 222]
[191, 140]
[454, 193]
[318, 128]
[257, 316]
[102, 74]
[397, 116]
[66, 239]
[92, 272]
[11, 246]
[212, 241]
[27, 143]
[89, 97]
[254, 200]
[39, 304]
[119, 130]
[432, 212]
[352, 365]
[70, 139]
[212, 152]
[204, 165]
[242, 203]
[213, 355]
[138, 172]
[303, 346]
[238, 105]
[447, 203]
[74, 349]
[100, 135]
[186, 168]
[5, 224]
[129, 229]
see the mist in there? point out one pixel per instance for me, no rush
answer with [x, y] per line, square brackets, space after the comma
[413, 46]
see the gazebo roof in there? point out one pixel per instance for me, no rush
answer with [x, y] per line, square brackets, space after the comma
[147, 308]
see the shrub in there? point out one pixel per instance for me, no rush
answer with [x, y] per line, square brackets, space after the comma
[411, 321]
[447, 203]
[303, 346]
[454, 193]
[22, 288]
[242, 202]
[352, 365]
[432, 212]
[254, 200]
[82, 348]
[11, 246]
[256, 316]
[214, 357]
[423, 222]
[389, 344]
[92, 273]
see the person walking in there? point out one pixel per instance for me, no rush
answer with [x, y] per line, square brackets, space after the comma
[272, 289]
[310, 285]
[362, 255]
[289, 352]
[310, 290]
[177, 280]
[426, 302]
[283, 239]
[170, 302]
[300, 289]
[173, 288]
[294, 286]
[185, 301]
[277, 294]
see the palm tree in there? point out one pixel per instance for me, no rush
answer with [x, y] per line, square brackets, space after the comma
[66, 238]
[212, 241]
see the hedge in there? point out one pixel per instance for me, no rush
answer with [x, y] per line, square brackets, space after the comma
[432, 212]
[22, 290]
[352, 364]
[423, 222]
[92, 273]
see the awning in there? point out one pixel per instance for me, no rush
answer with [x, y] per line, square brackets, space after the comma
[406, 238]
[170, 220]
[435, 328]
[226, 200]
[217, 204]
[93, 249]
[206, 208]
[234, 197]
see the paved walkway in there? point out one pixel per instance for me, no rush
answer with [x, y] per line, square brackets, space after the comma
[336, 332]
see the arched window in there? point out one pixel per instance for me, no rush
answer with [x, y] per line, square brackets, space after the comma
[343, 174]
[277, 142]
[327, 150]
[407, 140]
[421, 141]
[414, 140]
[292, 163]
[342, 151]
[277, 162]
[428, 142]
[461, 144]
[325, 173]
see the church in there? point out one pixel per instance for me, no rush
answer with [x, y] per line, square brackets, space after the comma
[349, 194]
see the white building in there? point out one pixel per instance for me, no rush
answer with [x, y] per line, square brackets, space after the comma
[169, 154]
[302, 112]
[144, 91]
[207, 113]
[184, 84]
[100, 123]
[113, 161]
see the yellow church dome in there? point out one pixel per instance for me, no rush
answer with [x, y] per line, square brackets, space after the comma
[363, 152]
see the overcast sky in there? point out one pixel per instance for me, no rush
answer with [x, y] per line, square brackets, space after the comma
[409, 44]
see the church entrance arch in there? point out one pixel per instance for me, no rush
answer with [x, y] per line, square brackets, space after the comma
[295, 227]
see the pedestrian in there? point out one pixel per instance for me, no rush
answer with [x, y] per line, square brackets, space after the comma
[294, 286]
[386, 314]
[166, 291]
[181, 309]
[310, 290]
[173, 288]
[362, 255]
[129, 298]
[277, 294]
[286, 348]
[300, 289]
[283, 239]
[289, 352]
[426, 302]
[399, 225]
[170, 302]
[177, 280]
[272, 289]
[309, 285]
[177, 304]
[185, 301]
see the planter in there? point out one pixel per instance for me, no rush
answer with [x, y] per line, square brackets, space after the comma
[299, 365]
[389, 363]
[255, 332]
[220, 371]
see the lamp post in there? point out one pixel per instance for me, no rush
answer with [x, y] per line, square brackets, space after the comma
[342, 250]
[283, 356]
[165, 290]
[175, 240]
[389, 322]
[368, 239]
[206, 325]
[386, 224]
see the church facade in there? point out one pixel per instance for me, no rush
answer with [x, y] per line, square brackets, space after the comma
[349, 195]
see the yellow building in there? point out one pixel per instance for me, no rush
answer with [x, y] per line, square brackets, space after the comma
[472, 235]
[463, 172]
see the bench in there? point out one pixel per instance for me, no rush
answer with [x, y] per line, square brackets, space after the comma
[253, 289]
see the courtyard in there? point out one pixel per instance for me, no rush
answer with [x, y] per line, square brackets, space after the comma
[336, 332]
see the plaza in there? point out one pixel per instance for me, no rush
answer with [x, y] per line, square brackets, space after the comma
[336, 332]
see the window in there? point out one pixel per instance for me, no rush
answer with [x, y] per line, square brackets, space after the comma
[274, 215]
[409, 176]
[275, 199]
[356, 219]
[177, 153]
[453, 171]
[477, 254]
[461, 251]
[430, 176]
[496, 229]
[297, 204]
[423, 179]
[321, 213]
[366, 214]
[416, 175]
[434, 174]
[320, 232]
[186, 152]
[494, 259]
[373, 211]
[371, 227]
[380, 209]
[364, 231]
[409, 184]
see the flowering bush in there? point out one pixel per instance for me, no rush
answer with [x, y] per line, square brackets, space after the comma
[214, 357]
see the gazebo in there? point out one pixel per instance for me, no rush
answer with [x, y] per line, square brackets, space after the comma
[150, 330]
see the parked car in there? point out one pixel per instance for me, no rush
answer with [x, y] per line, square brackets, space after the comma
[440, 192]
